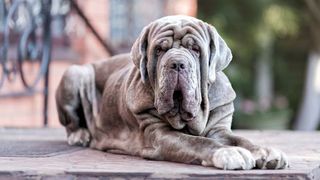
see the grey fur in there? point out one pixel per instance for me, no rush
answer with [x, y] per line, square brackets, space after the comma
[167, 100]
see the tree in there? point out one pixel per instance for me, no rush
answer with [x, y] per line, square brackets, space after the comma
[268, 42]
[309, 113]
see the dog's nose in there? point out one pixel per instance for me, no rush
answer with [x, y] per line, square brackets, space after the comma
[178, 65]
[187, 116]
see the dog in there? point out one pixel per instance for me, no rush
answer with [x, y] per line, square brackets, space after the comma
[166, 100]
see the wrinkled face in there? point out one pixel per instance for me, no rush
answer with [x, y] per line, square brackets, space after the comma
[176, 70]
[176, 54]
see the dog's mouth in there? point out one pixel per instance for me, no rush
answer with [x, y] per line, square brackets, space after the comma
[177, 109]
[176, 115]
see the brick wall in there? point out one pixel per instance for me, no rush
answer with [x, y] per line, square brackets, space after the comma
[27, 111]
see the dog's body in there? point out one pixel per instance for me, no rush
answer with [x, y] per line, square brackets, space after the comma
[167, 100]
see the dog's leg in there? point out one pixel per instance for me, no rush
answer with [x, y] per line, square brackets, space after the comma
[161, 142]
[265, 157]
[75, 103]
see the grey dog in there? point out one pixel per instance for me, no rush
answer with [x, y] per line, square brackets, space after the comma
[166, 100]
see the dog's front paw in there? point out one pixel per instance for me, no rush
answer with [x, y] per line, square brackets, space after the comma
[231, 158]
[270, 158]
[80, 137]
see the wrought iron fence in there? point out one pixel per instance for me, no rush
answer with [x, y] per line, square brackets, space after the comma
[27, 23]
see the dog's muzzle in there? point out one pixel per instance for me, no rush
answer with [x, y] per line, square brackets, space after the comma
[177, 80]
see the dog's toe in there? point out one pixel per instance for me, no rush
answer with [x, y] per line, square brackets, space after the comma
[80, 137]
[231, 158]
[270, 158]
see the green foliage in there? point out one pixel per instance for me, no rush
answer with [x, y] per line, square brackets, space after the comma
[282, 20]
[247, 26]
[273, 119]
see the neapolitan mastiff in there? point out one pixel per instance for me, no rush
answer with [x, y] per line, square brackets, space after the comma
[167, 100]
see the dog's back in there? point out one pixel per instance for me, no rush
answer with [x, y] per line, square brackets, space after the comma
[110, 67]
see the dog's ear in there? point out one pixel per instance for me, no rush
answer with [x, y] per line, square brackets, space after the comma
[220, 54]
[139, 53]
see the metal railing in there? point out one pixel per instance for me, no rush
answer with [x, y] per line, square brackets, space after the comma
[30, 29]
[27, 23]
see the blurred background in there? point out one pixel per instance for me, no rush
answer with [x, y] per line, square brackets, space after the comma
[276, 48]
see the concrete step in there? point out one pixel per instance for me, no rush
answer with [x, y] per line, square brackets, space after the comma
[43, 153]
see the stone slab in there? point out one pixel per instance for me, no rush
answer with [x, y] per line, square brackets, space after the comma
[302, 148]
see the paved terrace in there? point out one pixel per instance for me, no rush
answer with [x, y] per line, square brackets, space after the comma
[43, 153]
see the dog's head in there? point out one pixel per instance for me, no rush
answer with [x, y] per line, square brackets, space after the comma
[179, 57]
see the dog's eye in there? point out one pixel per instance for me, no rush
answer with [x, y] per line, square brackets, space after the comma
[159, 51]
[196, 50]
